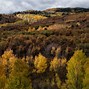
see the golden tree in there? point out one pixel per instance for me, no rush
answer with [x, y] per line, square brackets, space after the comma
[75, 73]
[40, 63]
[56, 63]
[19, 77]
[8, 60]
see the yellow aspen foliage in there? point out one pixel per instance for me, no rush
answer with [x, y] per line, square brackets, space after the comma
[40, 63]
[2, 76]
[12, 61]
[86, 65]
[2, 70]
[40, 28]
[63, 86]
[8, 58]
[19, 77]
[86, 79]
[62, 62]
[20, 68]
[30, 17]
[58, 81]
[31, 29]
[55, 64]
[7, 54]
[2, 82]
[75, 73]
[86, 76]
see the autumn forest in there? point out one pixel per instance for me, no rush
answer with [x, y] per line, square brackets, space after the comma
[46, 49]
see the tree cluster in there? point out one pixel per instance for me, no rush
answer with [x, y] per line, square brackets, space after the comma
[41, 72]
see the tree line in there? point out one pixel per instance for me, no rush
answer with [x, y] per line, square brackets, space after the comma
[40, 72]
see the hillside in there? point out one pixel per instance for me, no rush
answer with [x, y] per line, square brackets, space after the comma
[72, 25]
[46, 49]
